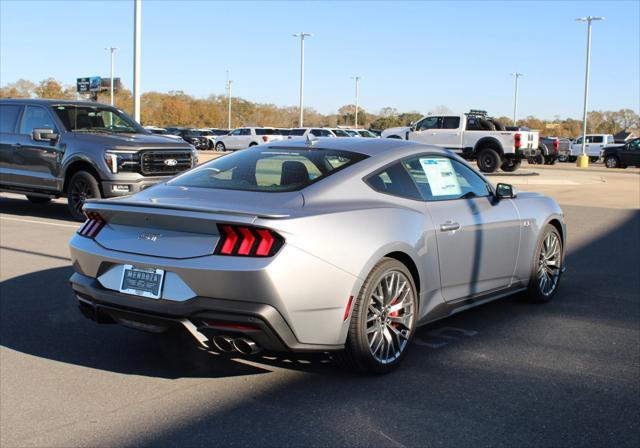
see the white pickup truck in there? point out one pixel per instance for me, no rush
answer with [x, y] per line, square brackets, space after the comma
[472, 136]
[594, 146]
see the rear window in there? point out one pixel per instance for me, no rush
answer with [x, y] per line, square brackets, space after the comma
[297, 131]
[268, 169]
[9, 117]
[266, 131]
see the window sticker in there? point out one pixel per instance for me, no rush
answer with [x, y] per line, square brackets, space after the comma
[441, 177]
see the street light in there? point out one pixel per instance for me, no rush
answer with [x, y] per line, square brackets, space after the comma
[302, 35]
[357, 78]
[515, 99]
[112, 50]
[583, 160]
[229, 100]
[137, 23]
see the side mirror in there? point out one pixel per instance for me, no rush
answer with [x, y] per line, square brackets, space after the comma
[44, 135]
[505, 191]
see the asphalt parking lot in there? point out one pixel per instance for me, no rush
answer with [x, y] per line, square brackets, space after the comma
[506, 374]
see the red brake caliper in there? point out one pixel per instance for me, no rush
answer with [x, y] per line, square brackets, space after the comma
[394, 313]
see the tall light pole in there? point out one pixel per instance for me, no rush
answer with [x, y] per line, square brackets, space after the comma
[302, 35]
[229, 101]
[137, 23]
[357, 78]
[583, 160]
[112, 50]
[515, 98]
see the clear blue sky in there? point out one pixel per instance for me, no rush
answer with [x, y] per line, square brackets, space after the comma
[411, 55]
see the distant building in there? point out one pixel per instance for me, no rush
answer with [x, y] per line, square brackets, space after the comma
[624, 136]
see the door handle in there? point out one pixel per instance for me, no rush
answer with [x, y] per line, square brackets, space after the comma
[449, 226]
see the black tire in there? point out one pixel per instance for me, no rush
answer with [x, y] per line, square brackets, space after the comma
[563, 158]
[38, 199]
[594, 159]
[82, 186]
[510, 165]
[573, 159]
[357, 355]
[210, 145]
[612, 162]
[252, 144]
[220, 147]
[549, 161]
[488, 160]
[535, 292]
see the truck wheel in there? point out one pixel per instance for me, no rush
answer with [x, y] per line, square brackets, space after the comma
[220, 147]
[510, 165]
[82, 186]
[594, 159]
[38, 199]
[549, 161]
[488, 160]
[573, 159]
[562, 158]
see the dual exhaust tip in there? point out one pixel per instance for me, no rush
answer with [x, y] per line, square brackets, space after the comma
[227, 344]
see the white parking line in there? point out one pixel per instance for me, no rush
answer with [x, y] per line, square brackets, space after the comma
[73, 226]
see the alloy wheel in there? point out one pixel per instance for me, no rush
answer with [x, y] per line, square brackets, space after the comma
[80, 192]
[549, 264]
[390, 317]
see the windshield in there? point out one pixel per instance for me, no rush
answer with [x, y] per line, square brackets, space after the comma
[96, 118]
[268, 169]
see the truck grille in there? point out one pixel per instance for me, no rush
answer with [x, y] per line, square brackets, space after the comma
[164, 163]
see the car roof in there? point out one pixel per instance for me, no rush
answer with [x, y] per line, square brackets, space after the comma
[367, 146]
[46, 101]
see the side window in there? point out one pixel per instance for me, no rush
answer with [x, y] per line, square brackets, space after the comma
[316, 132]
[610, 139]
[9, 114]
[441, 179]
[235, 132]
[428, 123]
[579, 141]
[634, 145]
[450, 122]
[597, 139]
[245, 131]
[395, 181]
[35, 117]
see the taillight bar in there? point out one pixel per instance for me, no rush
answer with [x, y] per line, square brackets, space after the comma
[92, 225]
[246, 241]
[516, 140]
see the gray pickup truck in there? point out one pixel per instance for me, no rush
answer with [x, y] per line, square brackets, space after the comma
[81, 150]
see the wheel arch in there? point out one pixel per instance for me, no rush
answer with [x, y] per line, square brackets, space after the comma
[488, 142]
[406, 260]
[555, 222]
[77, 166]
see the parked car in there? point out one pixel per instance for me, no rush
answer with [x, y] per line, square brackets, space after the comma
[264, 249]
[341, 132]
[594, 145]
[474, 136]
[212, 134]
[352, 132]
[81, 150]
[162, 131]
[192, 136]
[318, 132]
[564, 149]
[242, 138]
[366, 133]
[622, 156]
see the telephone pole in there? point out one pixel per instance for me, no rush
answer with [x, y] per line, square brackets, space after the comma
[302, 35]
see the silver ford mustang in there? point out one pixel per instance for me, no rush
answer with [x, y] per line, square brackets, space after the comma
[343, 245]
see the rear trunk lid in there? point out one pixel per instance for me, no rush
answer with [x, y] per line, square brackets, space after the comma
[181, 222]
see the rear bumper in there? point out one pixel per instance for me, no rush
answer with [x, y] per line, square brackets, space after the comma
[258, 321]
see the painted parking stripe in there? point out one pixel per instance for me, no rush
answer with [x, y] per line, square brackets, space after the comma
[33, 221]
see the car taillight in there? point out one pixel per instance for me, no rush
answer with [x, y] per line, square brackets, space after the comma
[244, 241]
[265, 138]
[555, 145]
[92, 225]
[516, 139]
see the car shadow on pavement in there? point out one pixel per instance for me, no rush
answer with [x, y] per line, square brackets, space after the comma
[22, 207]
